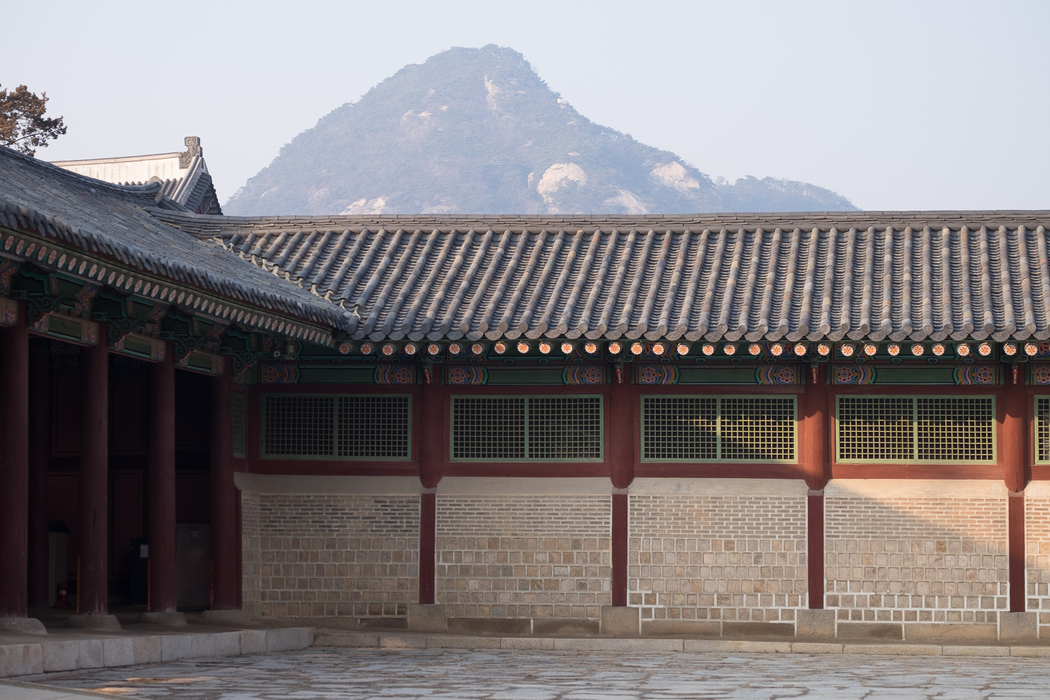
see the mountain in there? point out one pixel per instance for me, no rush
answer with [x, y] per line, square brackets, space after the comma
[476, 131]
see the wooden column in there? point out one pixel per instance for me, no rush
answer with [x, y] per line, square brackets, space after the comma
[432, 415]
[1015, 436]
[623, 427]
[427, 546]
[39, 452]
[93, 530]
[816, 468]
[620, 539]
[1017, 572]
[163, 591]
[1016, 476]
[224, 550]
[14, 469]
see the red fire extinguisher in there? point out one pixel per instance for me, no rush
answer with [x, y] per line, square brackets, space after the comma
[62, 600]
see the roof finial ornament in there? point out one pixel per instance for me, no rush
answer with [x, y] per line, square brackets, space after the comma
[193, 149]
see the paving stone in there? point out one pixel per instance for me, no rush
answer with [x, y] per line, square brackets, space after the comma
[521, 674]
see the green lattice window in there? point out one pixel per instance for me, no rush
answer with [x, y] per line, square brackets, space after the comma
[527, 428]
[237, 421]
[1042, 429]
[915, 429]
[373, 427]
[719, 428]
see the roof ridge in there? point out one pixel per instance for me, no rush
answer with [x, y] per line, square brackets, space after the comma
[150, 188]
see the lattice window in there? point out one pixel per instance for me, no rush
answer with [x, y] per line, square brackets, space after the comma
[680, 428]
[1042, 428]
[374, 427]
[719, 428]
[875, 428]
[565, 427]
[916, 429]
[299, 426]
[955, 429]
[758, 429]
[520, 428]
[488, 428]
[237, 421]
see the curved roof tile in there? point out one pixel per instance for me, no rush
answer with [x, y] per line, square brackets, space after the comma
[808, 276]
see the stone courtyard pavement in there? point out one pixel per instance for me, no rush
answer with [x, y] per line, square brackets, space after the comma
[362, 674]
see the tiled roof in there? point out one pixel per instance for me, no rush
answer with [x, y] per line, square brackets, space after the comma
[183, 176]
[876, 275]
[195, 192]
[113, 221]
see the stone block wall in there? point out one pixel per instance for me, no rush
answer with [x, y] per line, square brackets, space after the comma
[523, 555]
[250, 553]
[329, 546]
[916, 551]
[1037, 551]
[710, 550]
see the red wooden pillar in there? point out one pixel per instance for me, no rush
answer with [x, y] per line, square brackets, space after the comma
[1016, 477]
[92, 570]
[163, 592]
[623, 429]
[816, 469]
[432, 414]
[225, 582]
[14, 469]
[39, 452]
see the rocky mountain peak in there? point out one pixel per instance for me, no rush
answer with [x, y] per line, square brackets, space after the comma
[476, 131]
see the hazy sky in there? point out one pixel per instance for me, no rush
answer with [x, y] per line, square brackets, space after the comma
[896, 105]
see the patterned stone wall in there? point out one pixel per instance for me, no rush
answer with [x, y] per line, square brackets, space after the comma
[1037, 550]
[250, 554]
[524, 556]
[337, 555]
[731, 549]
[916, 551]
